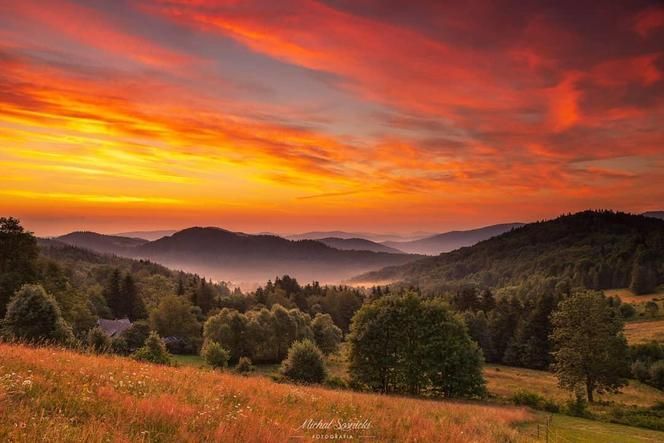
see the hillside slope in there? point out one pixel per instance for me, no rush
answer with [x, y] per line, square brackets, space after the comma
[116, 399]
[452, 240]
[592, 249]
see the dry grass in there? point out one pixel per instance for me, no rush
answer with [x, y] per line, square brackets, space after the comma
[504, 381]
[56, 396]
[627, 296]
[644, 331]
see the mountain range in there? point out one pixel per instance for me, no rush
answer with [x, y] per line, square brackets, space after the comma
[242, 258]
[450, 241]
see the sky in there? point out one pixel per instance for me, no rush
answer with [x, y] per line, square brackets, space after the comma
[364, 115]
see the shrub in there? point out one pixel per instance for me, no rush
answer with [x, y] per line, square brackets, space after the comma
[336, 383]
[527, 398]
[215, 355]
[578, 406]
[153, 351]
[656, 374]
[119, 346]
[98, 341]
[640, 371]
[244, 366]
[33, 315]
[136, 335]
[304, 363]
[627, 310]
[652, 309]
[650, 418]
[535, 401]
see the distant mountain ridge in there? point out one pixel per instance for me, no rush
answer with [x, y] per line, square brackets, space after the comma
[654, 214]
[452, 240]
[358, 244]
[147, 235]
[107, 244]
[371, 236]
[225, 255]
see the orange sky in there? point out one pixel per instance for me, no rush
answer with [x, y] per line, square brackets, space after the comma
[300, 115]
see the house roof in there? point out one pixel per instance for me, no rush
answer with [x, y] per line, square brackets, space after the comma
[114, 327]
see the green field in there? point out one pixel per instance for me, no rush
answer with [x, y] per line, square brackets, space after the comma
[565, 429]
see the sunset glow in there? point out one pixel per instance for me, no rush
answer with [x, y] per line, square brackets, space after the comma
[297, 115]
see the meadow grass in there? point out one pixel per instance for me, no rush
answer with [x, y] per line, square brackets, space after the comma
[55, 395]
[627, 296]
[565, 429]
[644, 331]
[505, 381]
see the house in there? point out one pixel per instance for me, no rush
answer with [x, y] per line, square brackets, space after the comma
[113, 328]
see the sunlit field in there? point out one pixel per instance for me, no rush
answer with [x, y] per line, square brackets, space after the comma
[505, 381]
[644, 331]
[627, 296]
[55, 396]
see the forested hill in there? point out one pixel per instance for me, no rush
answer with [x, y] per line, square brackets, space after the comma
[594, 249]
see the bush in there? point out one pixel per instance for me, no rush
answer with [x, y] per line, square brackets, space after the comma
[527, 398]
[336, 383]
[215, 355]
[535, 401]
[136, 335]
[656, 374]
[650, 418]
[651, 309]
[153, 351]
[640, 371]
[119, 346]
[244, 366]
[33, 315]
[98, 341]
[577, 407]
[304, 363]
[627, 310]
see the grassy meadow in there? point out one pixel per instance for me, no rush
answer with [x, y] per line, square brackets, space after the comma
[504, 381]
[644, 331]
[60, 396]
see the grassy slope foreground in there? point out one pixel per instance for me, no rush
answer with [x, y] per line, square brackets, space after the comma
[55, 395]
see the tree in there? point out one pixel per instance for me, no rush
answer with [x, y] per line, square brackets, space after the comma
[153, 351]
[652, 308]
[305, 363]
[18, 255]
[643, 278]
[205, 297]
[174, 317]
[136, 335]
[400, 343]
[229, 328]
[215, 355]
[656, 374]
[34, 315]
[589, 347]
[113, 295]
[285, 329]
[132, 301]
[326, 334]
[244, 366]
